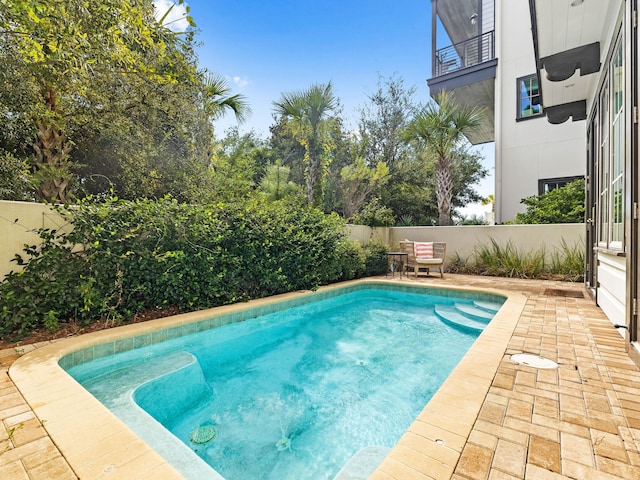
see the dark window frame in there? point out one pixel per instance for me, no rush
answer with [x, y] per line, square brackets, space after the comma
[557, 180]
[519, 116]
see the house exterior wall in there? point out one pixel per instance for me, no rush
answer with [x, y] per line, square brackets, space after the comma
[611, 292]
[532, 149]
[610, 265]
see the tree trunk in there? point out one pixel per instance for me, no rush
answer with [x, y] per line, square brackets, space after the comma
[444, 191]
[314, 175]
[52, 151]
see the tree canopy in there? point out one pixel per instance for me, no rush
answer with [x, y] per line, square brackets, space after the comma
[101, 97]
[439, 128]
[103, 90]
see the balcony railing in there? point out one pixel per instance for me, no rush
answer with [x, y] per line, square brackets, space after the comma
[473, 51]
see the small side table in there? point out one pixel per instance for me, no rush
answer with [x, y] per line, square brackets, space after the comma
[397, 261]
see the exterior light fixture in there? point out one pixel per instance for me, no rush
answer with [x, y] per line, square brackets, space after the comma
[474, 18]
[575, 3]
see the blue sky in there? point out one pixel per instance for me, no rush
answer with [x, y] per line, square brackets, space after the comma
[267, 47]
[271, 47]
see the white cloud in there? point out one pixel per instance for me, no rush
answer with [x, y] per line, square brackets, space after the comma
[176, 20]
[240, 82]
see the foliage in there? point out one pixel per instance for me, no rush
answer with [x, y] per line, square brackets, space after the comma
[569, 261]
[376, 260]
[236, 166]
[471, 220]
[501, 261]
[308, 111]
[440, 128]
[14, 177]
[382, 120]
[352, 260]
[126, 256]
[412, 190]
[374, 214]
[275, 184]
[358, 182]
[561, 205]
[507, 260]
[102, 90]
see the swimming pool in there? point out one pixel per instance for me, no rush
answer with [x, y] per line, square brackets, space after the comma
[216, 379]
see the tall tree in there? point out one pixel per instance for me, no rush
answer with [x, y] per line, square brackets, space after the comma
[103, 76]
[359, 182]
[440, 128]
[308, 110]
[383, 119]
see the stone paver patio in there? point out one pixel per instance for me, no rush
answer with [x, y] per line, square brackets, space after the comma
[581, 421]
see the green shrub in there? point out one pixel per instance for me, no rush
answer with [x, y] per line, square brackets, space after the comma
[560, 205]
[569, 262]
[376, 261]
[123, 257]
[352, 260]
[374, 214]
[508, 261]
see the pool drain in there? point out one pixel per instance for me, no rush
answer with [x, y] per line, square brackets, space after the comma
[283, 444]
[203, 434]
[535, 361]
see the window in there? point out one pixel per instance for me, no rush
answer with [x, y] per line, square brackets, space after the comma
[608, 126]
[545, 185]
[529, 102]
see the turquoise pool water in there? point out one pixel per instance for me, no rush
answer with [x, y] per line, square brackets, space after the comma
[291, 394]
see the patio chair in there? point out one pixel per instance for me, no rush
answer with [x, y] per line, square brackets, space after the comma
[423, 256]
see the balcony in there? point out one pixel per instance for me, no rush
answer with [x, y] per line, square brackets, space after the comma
[467, 65]
[468, 53]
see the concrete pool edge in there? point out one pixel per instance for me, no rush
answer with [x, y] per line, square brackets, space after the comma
[97, 444]
[433, 443]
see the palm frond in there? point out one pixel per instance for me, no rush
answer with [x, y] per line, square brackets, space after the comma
[218, 98]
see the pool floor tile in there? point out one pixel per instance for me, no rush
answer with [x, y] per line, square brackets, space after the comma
[581, 421]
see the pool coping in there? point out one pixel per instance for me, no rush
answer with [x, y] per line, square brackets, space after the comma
[97, 444]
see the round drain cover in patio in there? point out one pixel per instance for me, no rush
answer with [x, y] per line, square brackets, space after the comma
[203, 434]
[535, 361]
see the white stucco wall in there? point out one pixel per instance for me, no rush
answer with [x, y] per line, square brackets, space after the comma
[462, 240]
[528, 150]
[19, 222]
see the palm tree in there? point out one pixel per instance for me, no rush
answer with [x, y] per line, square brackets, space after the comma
[438, 128]
[275, 184]
[308, 110]
[218, 99]
[489, 200]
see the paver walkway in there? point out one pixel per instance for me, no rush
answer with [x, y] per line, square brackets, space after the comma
[26, 451]
[581, 421]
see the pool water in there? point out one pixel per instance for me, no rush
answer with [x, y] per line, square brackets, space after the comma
[293, 394]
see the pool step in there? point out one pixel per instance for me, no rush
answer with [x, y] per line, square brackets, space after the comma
[474, 312]
[451, 315]
[491, 307]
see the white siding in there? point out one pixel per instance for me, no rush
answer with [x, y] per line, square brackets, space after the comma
[488, 13]
[533, 149]
[612, 287]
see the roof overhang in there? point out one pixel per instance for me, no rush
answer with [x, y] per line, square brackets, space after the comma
[456, 18]
[472, 86]
[567, 43]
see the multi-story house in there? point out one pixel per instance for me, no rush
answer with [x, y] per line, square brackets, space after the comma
[586, 52]
[559, 80]
[483, 53]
